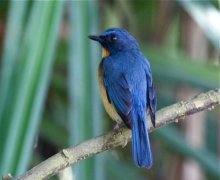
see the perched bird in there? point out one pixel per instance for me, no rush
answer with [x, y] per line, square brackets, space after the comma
[127, 89]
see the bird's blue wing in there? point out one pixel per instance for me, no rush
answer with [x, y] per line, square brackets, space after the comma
[151, 94]
[119, 95]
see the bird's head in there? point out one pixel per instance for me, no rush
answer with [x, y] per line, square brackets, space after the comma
[114, 40]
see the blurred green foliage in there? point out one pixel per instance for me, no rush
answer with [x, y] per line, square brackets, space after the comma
[48, 85]
[25, 73]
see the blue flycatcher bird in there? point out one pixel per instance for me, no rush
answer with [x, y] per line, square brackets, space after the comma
[127, 90]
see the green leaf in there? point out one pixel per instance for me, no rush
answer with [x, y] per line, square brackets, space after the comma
[180, 69]
[85, 113]
[34, 69]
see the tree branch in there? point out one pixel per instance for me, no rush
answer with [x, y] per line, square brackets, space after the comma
[70, 156]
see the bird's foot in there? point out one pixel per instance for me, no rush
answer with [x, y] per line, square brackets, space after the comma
[125, 142]
[118, 130]
[116, 127]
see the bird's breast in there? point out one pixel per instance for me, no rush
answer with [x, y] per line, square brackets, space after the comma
[109, 107]
[105, 52]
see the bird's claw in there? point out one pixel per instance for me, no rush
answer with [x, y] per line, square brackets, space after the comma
[125, 142]
[116, 127]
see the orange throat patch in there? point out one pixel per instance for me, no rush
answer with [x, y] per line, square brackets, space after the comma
[105, 53]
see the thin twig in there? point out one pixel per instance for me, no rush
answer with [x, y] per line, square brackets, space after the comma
[70, 156]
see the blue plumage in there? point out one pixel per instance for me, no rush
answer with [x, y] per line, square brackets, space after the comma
[129, 92]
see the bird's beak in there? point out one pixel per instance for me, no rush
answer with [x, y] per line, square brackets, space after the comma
[96, 38]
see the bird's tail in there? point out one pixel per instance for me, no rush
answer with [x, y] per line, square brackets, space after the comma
[140, 142]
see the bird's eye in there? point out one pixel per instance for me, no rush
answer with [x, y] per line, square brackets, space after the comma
[113, 38]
